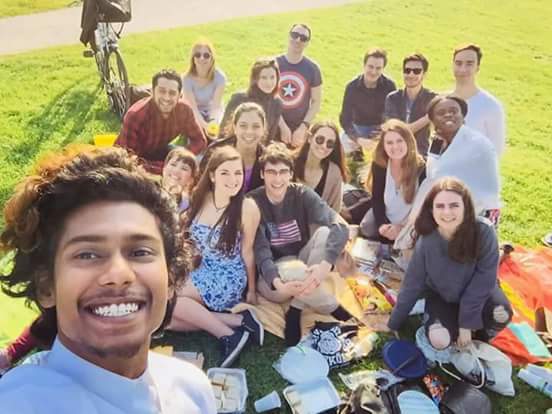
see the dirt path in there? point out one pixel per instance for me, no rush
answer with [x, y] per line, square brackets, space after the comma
[62, 27]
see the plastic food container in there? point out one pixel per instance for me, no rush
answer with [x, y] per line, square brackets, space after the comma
[312, 397]
[104, 140]
[230, 389]
[311, 392]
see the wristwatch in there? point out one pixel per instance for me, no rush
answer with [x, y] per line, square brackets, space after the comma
[307, 124]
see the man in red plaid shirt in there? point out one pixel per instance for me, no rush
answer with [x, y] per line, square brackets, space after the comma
[152, 123]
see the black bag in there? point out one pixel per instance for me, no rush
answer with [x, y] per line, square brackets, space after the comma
[366, 399]
[334, 341]
[94, 11]
[370, 399]
[356, 203]
[114, 11]
[139, 92]
[464, 398]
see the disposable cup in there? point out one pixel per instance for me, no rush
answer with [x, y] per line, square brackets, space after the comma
[268, 402]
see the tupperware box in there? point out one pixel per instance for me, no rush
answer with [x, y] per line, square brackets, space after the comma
[307, 369]
[232, 388]
[312, 397]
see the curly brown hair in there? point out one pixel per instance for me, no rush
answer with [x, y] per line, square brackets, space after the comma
[60, 184]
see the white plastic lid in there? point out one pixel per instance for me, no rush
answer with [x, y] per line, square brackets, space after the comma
[414, 402]
[302, 364]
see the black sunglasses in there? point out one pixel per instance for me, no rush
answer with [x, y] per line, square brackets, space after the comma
[206, 55]
[415, 71]
[303, 38]
[319, 139]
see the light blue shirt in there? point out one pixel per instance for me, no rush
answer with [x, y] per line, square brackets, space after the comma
[62, 382]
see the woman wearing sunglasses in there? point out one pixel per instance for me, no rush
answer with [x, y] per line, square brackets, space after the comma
[320, 163]
[203, 84]
[263, 90]
[397, 170]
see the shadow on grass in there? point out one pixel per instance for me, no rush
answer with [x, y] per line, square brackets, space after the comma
[63, 119]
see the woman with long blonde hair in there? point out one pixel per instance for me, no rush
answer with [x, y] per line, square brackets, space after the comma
[397, 170]
[203, 84]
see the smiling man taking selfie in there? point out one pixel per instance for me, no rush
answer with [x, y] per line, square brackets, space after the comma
[98, 249]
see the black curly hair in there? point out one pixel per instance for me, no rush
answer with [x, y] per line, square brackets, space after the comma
[62, 183]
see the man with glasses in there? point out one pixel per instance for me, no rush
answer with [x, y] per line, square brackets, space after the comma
[289, 212]
[485, 112]
[300, 87]
[409, 104]
[363, 102]
[152, 123]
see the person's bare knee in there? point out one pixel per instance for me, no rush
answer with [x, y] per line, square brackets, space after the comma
[439, 336]
[500, 314]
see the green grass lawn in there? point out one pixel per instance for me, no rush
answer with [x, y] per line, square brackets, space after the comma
[19, 7]
[50, 98]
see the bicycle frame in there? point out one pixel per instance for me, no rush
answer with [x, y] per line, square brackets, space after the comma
[111, 67]
[106, 38]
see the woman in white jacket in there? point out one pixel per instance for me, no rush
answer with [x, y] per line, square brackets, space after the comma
[461, 152]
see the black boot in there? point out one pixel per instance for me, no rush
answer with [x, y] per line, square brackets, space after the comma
[292, 330]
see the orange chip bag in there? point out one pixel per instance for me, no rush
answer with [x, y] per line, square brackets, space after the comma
[371, 300]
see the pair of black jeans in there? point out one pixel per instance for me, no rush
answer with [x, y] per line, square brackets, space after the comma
[437, 310]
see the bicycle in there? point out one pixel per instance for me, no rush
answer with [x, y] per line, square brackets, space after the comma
[111, 67]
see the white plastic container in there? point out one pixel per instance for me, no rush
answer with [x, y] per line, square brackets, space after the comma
[307, 370]
[240, 378]
[315, 396]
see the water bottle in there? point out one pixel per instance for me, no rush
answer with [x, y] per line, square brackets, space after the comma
[364, 346]
[542, 372]
[536, 382]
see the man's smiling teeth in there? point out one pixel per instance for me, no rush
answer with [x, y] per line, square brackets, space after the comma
[113, 311]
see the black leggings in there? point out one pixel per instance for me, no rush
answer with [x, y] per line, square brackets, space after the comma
[437, 310]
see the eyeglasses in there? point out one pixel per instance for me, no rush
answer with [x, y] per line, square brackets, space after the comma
[205, 55]
[274, 173]
[319, 139]
[303, 38]
[415, 71]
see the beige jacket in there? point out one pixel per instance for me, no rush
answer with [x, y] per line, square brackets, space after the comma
[333, 190]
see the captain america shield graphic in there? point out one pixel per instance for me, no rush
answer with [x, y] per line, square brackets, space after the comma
[293, 87]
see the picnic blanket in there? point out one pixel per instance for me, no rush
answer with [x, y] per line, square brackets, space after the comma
[526, 279]
[272, 314]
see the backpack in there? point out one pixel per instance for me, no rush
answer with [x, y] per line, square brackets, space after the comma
[114, 11]
[356, 202]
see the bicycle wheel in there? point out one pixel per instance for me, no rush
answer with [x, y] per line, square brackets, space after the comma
[116, 83]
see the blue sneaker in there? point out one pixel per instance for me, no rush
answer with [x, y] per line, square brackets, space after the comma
[231, 346]
[253, 325]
